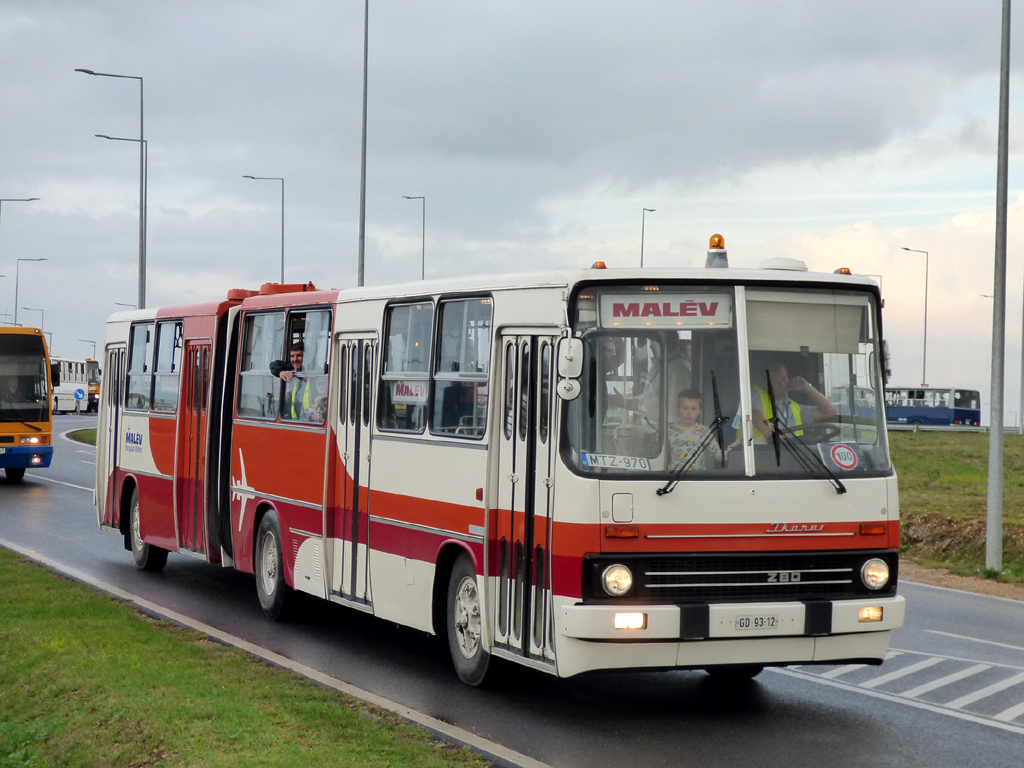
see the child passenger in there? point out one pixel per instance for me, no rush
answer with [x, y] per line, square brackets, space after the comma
[685, 437]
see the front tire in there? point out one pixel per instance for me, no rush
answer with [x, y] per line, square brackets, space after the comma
[464, 623]
[14, 474]
[271, 587]
[147, 556]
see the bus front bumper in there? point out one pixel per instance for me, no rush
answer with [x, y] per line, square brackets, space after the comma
[25, 456]
[726, 633]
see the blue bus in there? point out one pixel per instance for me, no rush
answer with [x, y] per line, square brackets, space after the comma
[932, 405]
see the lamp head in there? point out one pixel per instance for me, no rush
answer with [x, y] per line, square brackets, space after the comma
[86, 71]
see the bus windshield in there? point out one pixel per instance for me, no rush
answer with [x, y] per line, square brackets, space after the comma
[92, 372]
[24, 380]
[665, 376]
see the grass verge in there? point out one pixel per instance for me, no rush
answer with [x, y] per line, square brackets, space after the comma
[943, 481]
[84, 435]
[88, 681]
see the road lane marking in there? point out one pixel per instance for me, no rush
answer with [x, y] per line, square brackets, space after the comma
[943, 681]
[895, 698]
[842, 670]
[60, 482]
[976, 639]
[1010, 714]
[454, 733]
[987, 691]
[877, 681]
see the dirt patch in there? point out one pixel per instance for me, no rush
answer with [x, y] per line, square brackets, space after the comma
[941, 577]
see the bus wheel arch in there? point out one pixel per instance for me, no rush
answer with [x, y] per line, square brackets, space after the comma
[464, 622]
[444, 563]
[148, 557]
[128, 488]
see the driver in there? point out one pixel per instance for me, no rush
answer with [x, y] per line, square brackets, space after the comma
[788, 411]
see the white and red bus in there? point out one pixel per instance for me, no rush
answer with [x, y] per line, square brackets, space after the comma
[562, 470]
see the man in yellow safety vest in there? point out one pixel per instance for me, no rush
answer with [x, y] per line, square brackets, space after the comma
[788, 411]
[296, 392]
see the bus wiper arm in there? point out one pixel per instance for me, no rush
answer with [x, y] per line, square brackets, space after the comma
[691, 458]
[718, 416]
[802, 460]
[773, 420]
[32, 426]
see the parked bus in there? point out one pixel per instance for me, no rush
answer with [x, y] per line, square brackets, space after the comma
[933, 405]
[541, 490]
[79, 388]
[26, 434]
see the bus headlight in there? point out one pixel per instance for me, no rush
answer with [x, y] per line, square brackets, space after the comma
[875, 573]
[617, 580]
[30, 440]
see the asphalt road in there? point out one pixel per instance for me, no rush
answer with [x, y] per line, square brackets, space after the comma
[952, 693]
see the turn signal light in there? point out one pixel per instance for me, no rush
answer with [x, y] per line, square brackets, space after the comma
[621, 532]
[872, 529]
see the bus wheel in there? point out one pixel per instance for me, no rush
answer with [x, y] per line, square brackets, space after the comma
[735, 674]
[147, 557]
[464, 624]
[14, 474]
[269, 567]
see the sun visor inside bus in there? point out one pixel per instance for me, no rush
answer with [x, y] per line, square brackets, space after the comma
[789, 321]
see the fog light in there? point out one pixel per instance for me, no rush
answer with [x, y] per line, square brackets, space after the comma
[617, 580]
[37, 459]
[875, 573]
[873, 613]
[631, 621]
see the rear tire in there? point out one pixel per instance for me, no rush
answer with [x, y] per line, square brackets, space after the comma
[147, 556]
[14, 474]
[734, 675]
[464, 624]
[271, 587]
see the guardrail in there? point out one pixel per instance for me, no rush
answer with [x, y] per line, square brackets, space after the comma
[941, 428]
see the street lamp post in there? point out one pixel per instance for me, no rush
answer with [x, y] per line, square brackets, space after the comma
[17, 275]
[643, 226]
[275, 178]
[15, 200]
[423, 242]
[42, 316]
[924, 354]
[360, 266]
[90, 341]
[145, 183]
[142, 182]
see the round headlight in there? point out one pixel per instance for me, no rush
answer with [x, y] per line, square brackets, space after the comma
[617, 580]
[875, 573]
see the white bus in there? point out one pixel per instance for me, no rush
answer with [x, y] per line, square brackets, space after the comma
[576, 470]
[72, 394]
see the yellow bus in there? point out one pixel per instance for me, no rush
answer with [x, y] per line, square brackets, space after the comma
[26, 387]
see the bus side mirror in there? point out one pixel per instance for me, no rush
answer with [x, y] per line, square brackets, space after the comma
[886, 365]
[55, 374]
[570, 358]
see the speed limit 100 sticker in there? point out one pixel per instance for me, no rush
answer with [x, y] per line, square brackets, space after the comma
[844, 456]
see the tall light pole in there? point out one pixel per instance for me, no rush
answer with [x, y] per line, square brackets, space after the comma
[145, 184]
[17, 275]
[275, 178]
[423, 242]
[142, 182]
[15, 200]
[90, 341]
[643, 226]
[361, 266]
[42, 316]
[924, 354]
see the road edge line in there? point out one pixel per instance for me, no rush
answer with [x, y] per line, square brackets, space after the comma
[494, 752]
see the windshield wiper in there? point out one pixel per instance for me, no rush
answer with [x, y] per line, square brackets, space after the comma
[714, 433]
[773, 420]
[32, 426]
[802, 459]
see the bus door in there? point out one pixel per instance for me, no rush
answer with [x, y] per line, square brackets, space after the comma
[349, 528]
[108, 436]
[522, 539]
[192, 432]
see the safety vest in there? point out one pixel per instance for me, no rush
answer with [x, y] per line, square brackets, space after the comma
[305, 398]
[766, 409]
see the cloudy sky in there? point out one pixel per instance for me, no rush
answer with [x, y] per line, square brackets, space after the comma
[834, 132]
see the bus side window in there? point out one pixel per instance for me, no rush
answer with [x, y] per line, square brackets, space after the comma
[462, 368]
[263, 343]
[405, 368]
[140, 367]
[168, 363]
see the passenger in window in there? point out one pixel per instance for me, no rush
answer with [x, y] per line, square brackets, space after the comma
[10, 393]
[686, 437]
[789, 412]
[297, 395]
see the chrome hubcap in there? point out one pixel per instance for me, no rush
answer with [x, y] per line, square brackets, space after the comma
[136, 534]
[467, 617]
[269, 560]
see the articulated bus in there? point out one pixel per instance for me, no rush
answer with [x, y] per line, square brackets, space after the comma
[561, 470]
[26, 428]
[933, 405]
[79, 388]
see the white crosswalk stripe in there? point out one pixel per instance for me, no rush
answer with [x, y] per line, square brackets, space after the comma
[987, 691]
[877, 681]
[963, 674]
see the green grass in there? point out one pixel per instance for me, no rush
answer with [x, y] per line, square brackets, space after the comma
[84, 435]
[88, 681]
[943, 483]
